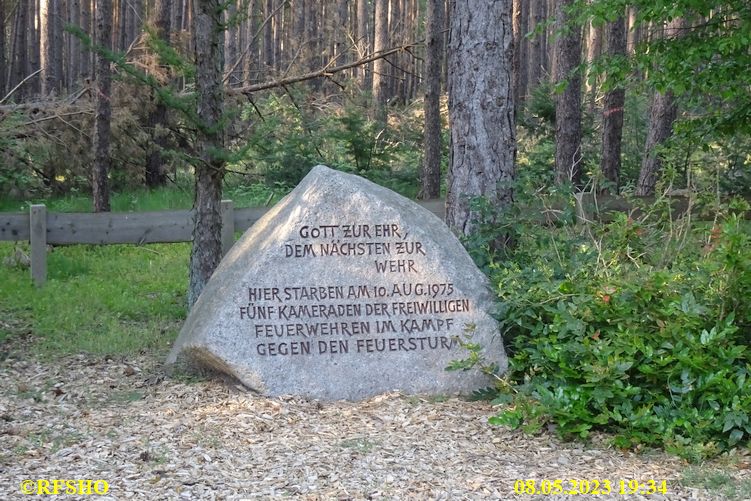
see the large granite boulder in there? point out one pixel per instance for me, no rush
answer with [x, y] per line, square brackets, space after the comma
[343, 290]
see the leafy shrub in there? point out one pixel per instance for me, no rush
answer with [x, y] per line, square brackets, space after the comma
[605, 334]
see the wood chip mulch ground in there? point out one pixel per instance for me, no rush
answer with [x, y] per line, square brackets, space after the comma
[151, 436]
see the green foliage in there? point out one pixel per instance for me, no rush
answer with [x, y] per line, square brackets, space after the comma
[638, 327]
[288, 134]
[115, 299]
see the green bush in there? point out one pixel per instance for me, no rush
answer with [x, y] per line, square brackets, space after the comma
[603, 335]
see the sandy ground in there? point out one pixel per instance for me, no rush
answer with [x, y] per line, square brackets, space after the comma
[152, 436]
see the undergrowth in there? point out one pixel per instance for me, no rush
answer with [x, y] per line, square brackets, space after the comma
[636, 324]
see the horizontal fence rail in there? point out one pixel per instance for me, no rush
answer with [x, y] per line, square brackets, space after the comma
[41, 228]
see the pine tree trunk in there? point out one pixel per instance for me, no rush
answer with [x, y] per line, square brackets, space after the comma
[521, 51]
[33, 42]
[122, 26]
[250, 63]
[84, 53]
[612, 113]
[380, 70]
[594, 50]
[362, 41]
[52, 47]
[102, 160]
[341, 38]
[19, 52]
[230, 43]
[536, 61]
[74, 56]
[663, 112]
[206, 251]
[481, 110]
[446, 37]
[431, 166]
[550, 34]
[568, 126]
[268, 37]
[278, 24]
[156, 174]
[634, 30]
[3, 65]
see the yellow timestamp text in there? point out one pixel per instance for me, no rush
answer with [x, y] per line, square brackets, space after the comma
[594, 487]
[64, 486]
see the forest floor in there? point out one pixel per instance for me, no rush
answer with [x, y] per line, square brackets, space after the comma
[153, 436]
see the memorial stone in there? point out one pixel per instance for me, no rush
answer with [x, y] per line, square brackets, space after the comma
[343, 290]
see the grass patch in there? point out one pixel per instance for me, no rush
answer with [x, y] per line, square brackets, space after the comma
[154, 199]
[115, 299]
[717, 482]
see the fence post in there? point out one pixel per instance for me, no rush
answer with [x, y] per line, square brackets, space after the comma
[228, 226]
[38, 240]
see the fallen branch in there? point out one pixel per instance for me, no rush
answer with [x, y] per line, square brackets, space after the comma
[14, 89]
[323, 72]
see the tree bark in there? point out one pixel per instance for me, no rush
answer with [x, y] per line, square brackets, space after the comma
[3, 66]
[74, 56]
[536, 60]
[431, 166]
[521, 51]
[157, 120]
[84, 53]
[230, 43]
[663, 112]
[52, 47]
[250, 63]
[268, 37]
[122, 26]
[362, 41]
[568, 127]
[102, 160]
[612, 113]
[594, 50]
[634, 30]
[481, 110]
[380, 69]
[19, 52]
[206, 251]
[33, 42]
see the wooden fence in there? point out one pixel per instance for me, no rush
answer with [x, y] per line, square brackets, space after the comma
[41, 228]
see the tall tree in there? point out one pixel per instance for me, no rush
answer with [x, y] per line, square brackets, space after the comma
[594, 50]
[157, 119]
[612, 113]
[663, 112]
[481, 109]
[431, 165]
[3, 68]
[19, 52]
[230, 43]
[85, 55]
[380, 66]
[52, 47]
[206, 251]
[521, 50]
[74, 54]
[268, 36]
[536, 59]
[568, 125]
[33, 43]
[362, 41]
[102, 159]
[250, 61]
